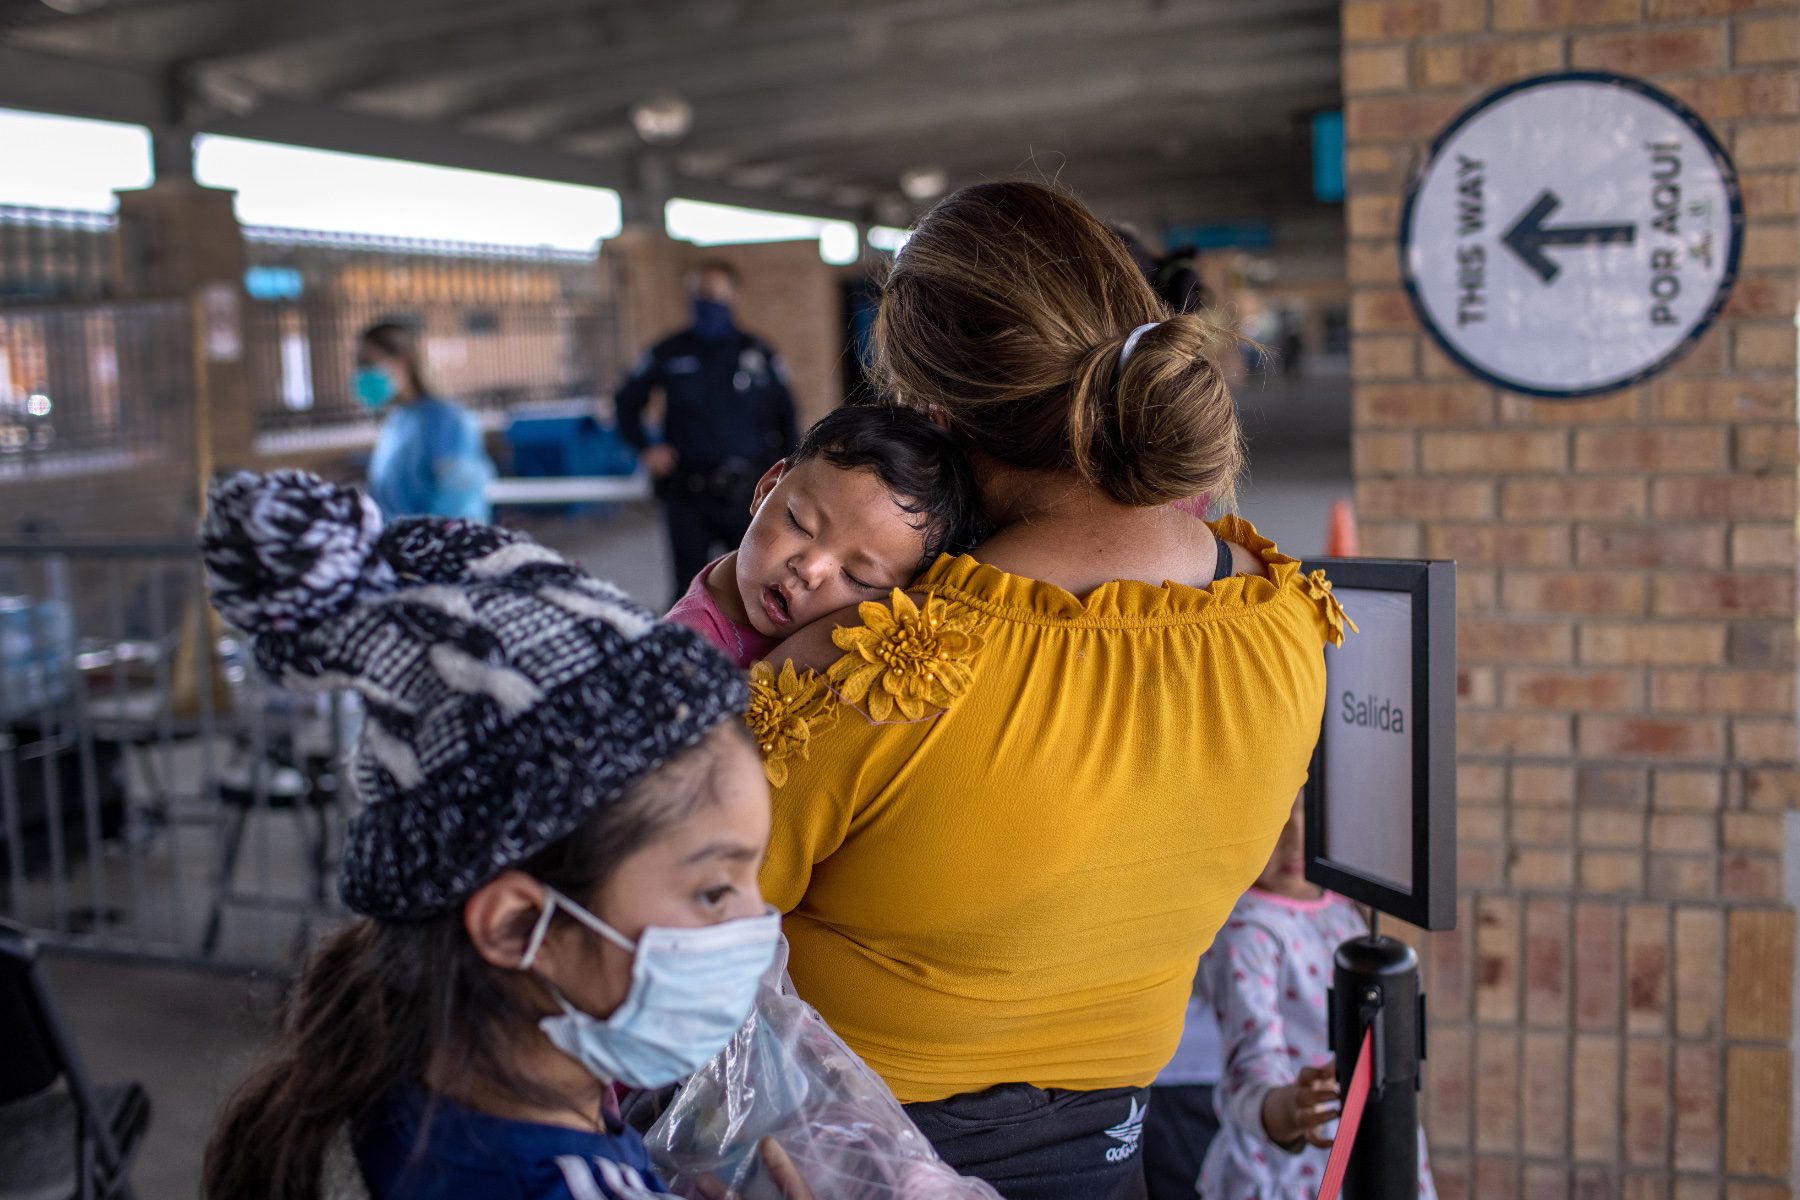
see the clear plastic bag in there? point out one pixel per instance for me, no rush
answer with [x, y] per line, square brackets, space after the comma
[786, 1075]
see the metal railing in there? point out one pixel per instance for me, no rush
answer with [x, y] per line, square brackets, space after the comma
[55, 254]
[157, 799]
[80, 380]
[499, 326]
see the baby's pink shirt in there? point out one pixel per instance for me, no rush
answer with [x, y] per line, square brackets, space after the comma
[699, 611]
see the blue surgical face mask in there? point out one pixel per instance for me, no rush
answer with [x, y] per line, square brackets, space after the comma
[712, 320]
[691, 990]
[374, 387]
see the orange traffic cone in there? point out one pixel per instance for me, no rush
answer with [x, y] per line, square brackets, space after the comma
[1340, 539]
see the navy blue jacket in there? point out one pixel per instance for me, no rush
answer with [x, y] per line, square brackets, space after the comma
[726, 400]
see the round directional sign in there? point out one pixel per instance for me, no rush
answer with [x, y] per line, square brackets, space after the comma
[1572, 234]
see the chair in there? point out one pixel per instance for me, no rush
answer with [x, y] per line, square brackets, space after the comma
[60, 1137]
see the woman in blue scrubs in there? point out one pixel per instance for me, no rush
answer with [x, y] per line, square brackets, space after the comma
[430, 459]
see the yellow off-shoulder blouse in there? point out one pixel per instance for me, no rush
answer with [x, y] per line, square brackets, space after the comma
[1008, 821]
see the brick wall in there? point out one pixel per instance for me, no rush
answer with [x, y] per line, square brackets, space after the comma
[1614, 1011]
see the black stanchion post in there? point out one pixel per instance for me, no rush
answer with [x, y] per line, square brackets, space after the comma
[1375, 986]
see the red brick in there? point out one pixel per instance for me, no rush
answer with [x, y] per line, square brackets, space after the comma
[1612, 787]
[1383, 454]
[1496, 1175]
[1687, 10]
[1546, 1095]
[1614, 408]
[1478, 686]
[1449, 967]
[1479, 866]
[1534, 784]
[1490, 453]
[1497, 1099]
[1767, 195]
[1762, 740]
[1642, 450]
[1764, 644]
[1496, 958]
[1695, 1143]
[1666, 738]
[1761, 296]
[1699, 971]
[1769, 144]
[1542, 1181]
[1766, 40]
[1407, 118]
[1484, 639]
[1531, 871]
[1647, 1102]
[1764, 448]
[1681, 790]
[1375, 262]
[1685, 877]
[1390, 539]
[1499, 545]
[1770, 693]
[1394, 356]
[1577, 499]
[1741, 94]
[1724, 595]
[1647, 969]
[1489, 61]
[1451, 1173]
[1758, 1096]
[1612, 828]
[1448, 1080]
[1543, 735]
[1425, 498]
[1750, 877]
[1762, 347]
[1403, 20]
[1412, 405]
[1574, 689]
[1596, 1094]
[1480, 822]
[1652, 643]
[1477, 591]
[1723, 497]
[1724, 400]
[1377, 310]
[1660, 545]
[1547, 926]
[1373, 216]
[1480, 783]
[1769, 245]
[1382, 69]
[1599, 934]
[1759, 975]
[1581, 593]
[1684, 833]
[1765, 832]
[1562, 14]
[1772, 790]
[1654, 52]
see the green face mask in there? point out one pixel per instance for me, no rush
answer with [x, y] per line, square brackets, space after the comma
[373, 386]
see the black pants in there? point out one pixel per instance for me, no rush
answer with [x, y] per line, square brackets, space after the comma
[1181, 1125]
[707, 517]
[1032, 1144]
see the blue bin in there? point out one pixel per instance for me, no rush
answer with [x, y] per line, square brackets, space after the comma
[567, 444]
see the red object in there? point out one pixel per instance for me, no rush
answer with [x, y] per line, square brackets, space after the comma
[1354, 1103]
[1340, 539]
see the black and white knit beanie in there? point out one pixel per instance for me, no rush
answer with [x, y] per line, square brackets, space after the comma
[507, 693]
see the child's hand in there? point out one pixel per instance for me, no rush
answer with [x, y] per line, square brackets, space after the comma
[1293, 1115]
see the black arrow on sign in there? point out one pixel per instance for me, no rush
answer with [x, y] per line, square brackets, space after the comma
[1528, 237]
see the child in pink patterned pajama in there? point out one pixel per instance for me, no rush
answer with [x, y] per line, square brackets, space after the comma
[1266, 976]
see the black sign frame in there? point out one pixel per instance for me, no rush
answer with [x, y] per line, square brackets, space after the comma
[1431, 904]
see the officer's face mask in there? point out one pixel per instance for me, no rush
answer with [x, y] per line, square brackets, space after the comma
[374, 386]
[712, 318]
[691, 990]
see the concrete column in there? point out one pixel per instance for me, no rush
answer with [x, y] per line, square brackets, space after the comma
[180, 240]
[1614, 1017]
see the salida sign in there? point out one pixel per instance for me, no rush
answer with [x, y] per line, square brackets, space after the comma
[1572, 234]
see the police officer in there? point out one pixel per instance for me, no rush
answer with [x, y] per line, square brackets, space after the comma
[728, 416]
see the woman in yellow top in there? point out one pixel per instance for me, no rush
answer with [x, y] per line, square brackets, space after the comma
[1014, 807]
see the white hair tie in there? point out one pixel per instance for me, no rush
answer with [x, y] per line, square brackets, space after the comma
[1132, 341]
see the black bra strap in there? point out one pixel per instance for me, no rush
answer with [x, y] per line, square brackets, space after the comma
[1223, 569]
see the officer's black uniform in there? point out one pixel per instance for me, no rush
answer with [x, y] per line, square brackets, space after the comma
[728, 417]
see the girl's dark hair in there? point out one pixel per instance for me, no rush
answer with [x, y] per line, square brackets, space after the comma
[919, 463]
[1007, 310]
[402, 342]
[380, 1001]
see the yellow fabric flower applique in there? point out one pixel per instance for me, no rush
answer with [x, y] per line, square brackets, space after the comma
[907, 660]
[785, 711]
[1319, 588]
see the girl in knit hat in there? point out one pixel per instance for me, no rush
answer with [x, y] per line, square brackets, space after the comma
[555, 861]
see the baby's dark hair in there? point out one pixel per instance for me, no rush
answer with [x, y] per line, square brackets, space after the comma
[919, 463]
